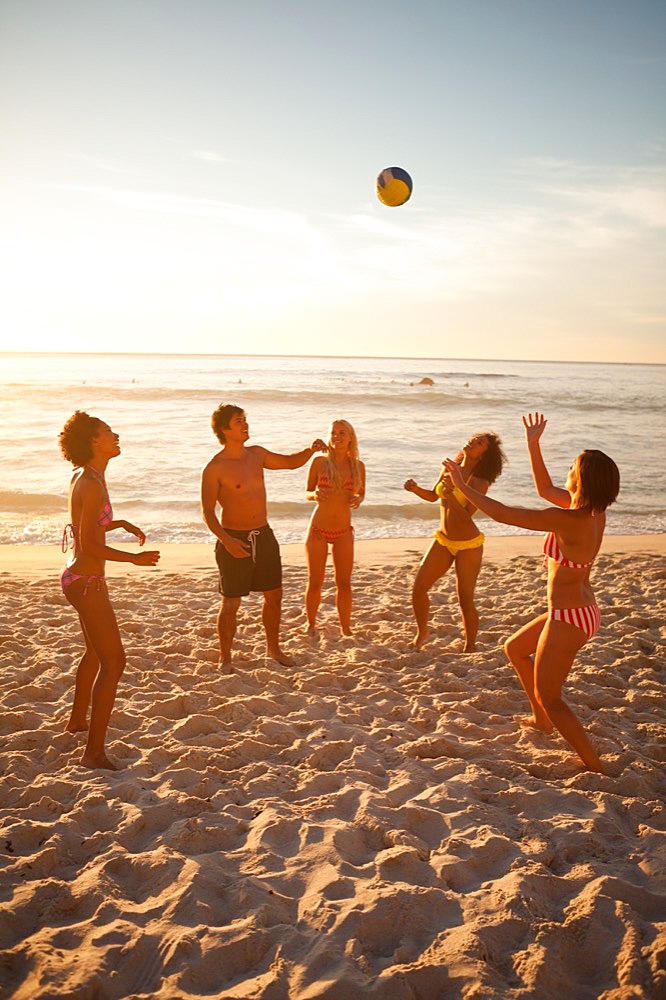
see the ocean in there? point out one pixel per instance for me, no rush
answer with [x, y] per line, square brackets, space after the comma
[408, 414]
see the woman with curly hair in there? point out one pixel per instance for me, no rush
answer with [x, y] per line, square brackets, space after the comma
[542, 652]
[458, 540]
[336, 484]
[88, 443]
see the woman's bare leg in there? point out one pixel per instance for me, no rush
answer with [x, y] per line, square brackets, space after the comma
[85, 678]
[558, 645]
[101, 631]
[343, 562]
[520, 649]
[468, 566]
[316, 552]
[434, 565]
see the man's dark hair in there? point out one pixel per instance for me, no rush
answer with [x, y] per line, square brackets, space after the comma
[222, 418]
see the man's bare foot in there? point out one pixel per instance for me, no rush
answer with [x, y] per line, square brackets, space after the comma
[97, 761]
[469, 647]
[225, 667]
[76, 727]
[530, 722]
[311, 631]
[280, 657]
[421, 638]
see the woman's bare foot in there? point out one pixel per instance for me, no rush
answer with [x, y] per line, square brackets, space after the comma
[544, 725]
[96, 761]
[593, 764]
[421, 638]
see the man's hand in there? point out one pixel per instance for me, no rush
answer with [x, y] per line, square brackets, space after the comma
[236, 547]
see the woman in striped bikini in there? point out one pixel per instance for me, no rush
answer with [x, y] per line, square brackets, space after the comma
[336, 483]
[88, 443]
[543, 651]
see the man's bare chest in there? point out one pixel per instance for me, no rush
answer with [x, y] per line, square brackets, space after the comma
[240, 476]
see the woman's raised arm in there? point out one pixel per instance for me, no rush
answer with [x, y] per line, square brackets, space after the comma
[535, 425]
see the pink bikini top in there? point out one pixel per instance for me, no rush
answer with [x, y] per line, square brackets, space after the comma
[552, 550]
[105, 515]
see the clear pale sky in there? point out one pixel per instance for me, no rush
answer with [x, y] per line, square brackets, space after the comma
[198, 176]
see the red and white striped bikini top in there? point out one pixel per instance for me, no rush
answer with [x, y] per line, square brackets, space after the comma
[553, 551]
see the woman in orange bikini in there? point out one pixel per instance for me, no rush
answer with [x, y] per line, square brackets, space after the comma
[336, 483]
[543, 651]
[89, 444]
[458, 540]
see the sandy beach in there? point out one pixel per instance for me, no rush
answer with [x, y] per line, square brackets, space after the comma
[372, 822]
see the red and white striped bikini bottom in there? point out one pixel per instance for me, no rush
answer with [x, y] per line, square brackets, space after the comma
[588, 618]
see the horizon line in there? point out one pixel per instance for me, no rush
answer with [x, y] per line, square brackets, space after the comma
[328, 357]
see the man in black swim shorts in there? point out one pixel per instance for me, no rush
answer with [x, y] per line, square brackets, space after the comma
[247, 552]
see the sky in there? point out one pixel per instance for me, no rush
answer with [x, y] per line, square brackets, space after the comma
[198, 176]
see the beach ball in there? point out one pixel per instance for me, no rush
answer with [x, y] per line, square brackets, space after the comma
[394, 186]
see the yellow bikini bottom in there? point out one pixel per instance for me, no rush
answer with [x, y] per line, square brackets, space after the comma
[465, 543]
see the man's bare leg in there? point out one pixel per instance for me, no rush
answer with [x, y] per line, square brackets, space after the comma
[271, 612]
[226, 629]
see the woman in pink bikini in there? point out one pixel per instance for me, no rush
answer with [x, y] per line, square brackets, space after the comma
[89, 443]
[543, 651]
[336, 483]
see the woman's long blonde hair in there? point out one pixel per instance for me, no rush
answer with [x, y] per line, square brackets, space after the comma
[332, 470]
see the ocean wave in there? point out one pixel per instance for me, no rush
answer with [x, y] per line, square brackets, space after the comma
[163, 508]
[343, 394]
[335, 396]
[291, 526]
[43, 503]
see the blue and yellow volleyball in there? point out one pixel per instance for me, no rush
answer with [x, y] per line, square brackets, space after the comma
[394, 186]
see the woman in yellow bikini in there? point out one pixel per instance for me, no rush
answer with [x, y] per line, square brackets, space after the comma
[542, 652]
[336, 484]
[457, 540]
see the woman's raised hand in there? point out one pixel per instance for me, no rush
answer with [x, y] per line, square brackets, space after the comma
[535, 425]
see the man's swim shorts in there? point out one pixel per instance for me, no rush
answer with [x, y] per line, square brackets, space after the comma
[261, 570]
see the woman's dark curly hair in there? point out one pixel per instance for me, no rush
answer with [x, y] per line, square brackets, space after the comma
[491, 463]
[598, 480]
[75, 439]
